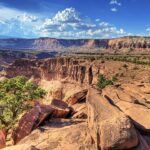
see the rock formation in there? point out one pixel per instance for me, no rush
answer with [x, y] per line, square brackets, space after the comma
[115, 118]
[52, 44]
[60, 68]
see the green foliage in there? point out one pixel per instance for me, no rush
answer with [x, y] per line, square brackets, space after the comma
[15, 95]
[103, 82]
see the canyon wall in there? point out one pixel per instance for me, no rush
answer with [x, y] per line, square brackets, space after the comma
[57, 68]
[52, 44]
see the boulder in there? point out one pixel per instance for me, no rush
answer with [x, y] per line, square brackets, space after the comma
[37, 115]
[60, 134]
[26, 125]
[2, 138]
[77, 97]
[108, 126]
[59, 103]
[21, 147]
[117, 133]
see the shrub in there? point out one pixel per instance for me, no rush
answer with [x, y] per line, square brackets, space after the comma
[103, 82]
[15, 95]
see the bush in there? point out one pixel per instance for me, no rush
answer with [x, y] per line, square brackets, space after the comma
[15, 95]
[103, 82]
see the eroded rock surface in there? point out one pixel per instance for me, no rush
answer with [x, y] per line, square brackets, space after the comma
[60, 134]
[109, 127]
[132, 101]
[32, 119]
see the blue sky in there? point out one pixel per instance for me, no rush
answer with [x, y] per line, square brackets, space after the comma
[74, 18]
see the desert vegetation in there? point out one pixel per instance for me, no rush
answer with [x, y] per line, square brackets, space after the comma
[15, 97]
[103, 82]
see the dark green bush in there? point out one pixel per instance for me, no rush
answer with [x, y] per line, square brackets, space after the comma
[15, 95]
[103, 82]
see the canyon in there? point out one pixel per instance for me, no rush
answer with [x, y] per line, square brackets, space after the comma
[76, 114]
[51, 44]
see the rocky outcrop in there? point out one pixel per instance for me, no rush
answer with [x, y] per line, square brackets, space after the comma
[37, 115]
[60, 134]
[77, 97]
[133, 101]
[53, 69]
[130, 43]
[109, 127]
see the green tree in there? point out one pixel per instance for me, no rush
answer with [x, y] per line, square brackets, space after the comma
[103, 82]
[15, 97]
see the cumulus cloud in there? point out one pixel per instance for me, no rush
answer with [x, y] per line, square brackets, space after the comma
[27, 18]
[67, 23]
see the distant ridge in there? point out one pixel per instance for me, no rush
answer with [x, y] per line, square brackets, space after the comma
[54, 44]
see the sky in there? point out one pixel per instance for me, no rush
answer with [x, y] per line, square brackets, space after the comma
[74, 19]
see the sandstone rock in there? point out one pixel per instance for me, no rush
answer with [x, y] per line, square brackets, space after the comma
[109, 127]
[59, 103]
[77, 97]
[32, 119]
[138, 113]
[26, 125]
[2, 139]
[53, 69]
[60, 134]
[136, 109]
[117, 133]
[115, 95]
[139, 91]
[82, 114]
[60, 112]
[21, 147]
[79, 111]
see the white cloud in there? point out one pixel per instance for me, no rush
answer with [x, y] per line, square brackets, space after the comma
[114, 9]
[148, 29]
[115, 2]
[97, 20]
[64, 24]
[27, 18]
